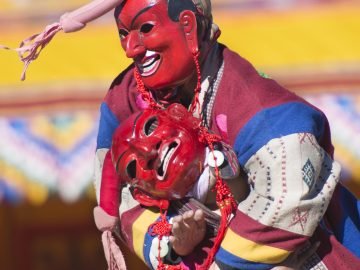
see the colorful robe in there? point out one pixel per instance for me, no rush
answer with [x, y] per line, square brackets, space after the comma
[283, 144]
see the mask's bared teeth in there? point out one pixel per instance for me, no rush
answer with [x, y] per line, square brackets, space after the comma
[148, 62]
[165, 160]
[148, 58]
[150, 67]
[149, 53]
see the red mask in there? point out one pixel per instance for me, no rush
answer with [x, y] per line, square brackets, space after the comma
[158, 153]
[156, 43]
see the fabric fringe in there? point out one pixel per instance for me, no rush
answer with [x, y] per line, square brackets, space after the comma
[113, 254]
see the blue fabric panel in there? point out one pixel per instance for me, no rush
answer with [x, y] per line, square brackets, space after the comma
[230, 261]
[107, 126]
[147, 247]
[348, 231]
[275, 122]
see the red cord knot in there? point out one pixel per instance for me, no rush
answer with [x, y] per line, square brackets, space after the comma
[163, 266]
[208, 138]
[161, 227]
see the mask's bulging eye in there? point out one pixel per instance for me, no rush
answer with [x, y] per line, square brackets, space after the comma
[131, 169]
[150, 126]
[146, 28]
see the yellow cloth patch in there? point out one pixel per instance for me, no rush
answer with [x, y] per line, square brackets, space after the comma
[139, 229]
[251, 251]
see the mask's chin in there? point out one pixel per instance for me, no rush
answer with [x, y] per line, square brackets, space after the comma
[149, 64]
[149, 201]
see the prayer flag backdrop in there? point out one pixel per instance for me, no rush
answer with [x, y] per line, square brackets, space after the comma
[48, 123]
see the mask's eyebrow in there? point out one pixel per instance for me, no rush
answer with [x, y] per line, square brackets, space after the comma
[139, 13]
[117, 163]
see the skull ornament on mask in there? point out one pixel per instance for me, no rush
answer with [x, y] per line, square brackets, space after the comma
[159, 154]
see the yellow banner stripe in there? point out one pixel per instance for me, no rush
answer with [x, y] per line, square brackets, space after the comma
[251, 251]
[139, 229]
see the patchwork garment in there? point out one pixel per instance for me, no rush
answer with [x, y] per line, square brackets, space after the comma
[283, 144]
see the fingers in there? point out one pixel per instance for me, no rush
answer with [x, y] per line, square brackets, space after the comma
[188, 216]
[199, 215]
[189, 219]
[177, 227]
[188, 230]
[177, 219]
[172, 239]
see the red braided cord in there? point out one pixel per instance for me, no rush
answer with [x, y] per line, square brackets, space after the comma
[145, 94]
[197, 89]
[223, 193]
[208, 138]
[161, 227]
[224, 198]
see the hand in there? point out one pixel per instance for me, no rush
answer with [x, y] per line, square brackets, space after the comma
[188, 231]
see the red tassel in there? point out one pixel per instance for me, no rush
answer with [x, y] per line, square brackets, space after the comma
[226, 209]
[224, 198]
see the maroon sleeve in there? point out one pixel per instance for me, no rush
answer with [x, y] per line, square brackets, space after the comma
[121, 97]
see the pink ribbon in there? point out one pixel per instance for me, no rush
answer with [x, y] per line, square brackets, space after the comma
[31, 47]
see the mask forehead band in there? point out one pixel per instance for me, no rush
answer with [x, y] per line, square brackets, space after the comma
[119, 8]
